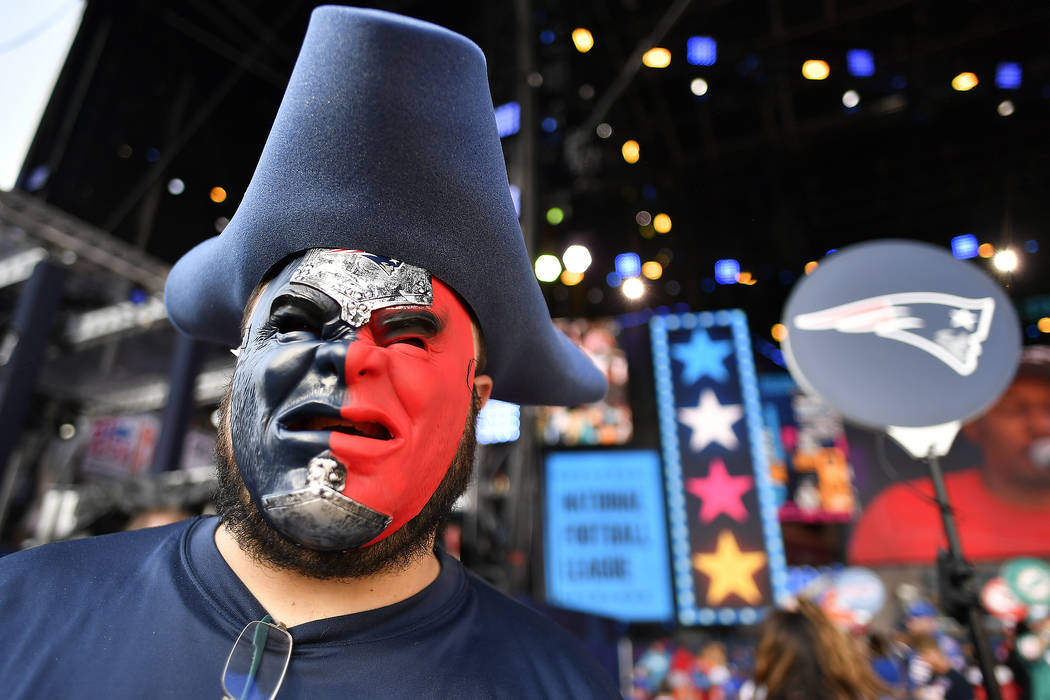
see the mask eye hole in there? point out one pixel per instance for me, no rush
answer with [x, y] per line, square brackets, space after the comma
[418, 342]
[296, 317]
[416, 327]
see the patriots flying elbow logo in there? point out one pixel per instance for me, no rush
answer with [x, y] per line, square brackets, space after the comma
[948, 327]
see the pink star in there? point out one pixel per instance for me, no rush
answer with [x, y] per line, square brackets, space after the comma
[720, 492]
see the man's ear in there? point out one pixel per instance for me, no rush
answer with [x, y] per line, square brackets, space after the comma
[483, 388]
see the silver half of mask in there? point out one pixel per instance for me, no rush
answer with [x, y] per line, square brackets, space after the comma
[362, 282]
[318, 516]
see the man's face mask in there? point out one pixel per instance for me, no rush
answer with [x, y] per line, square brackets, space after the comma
[350, 396]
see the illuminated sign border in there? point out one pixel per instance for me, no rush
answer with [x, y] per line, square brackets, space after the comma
[681, 556]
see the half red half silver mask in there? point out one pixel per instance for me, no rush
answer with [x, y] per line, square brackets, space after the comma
[350, 396]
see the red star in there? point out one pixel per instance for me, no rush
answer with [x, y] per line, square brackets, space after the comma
[720, 492]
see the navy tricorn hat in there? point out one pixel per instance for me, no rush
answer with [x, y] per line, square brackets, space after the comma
[386, 141]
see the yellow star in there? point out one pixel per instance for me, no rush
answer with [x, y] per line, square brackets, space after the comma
[730, 570]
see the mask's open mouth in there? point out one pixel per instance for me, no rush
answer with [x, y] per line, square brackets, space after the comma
[368, 429]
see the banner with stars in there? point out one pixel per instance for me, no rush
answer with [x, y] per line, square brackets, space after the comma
[728, 555]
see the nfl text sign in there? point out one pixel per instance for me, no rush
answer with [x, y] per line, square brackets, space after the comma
[727, 552]
[605, 536]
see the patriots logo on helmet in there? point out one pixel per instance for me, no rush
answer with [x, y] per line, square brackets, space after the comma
[948, 327]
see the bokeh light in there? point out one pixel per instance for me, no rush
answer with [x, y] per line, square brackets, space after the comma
[548, 267]
[779, 331]
[1008, 75]
[628, 265]
[217, 195]
[631, 151]
[577, 259]
[815, 69]
[698, 86]
[1044, 324]
[633, 288]
[652, 270]
[571, 279]
[662, 223]
[582, 39]
[555, 216]
[986, 250]
[1005, 260]
[727, 271]
[657, 57]
[701, 50]
[860, 62]
[964, 81]
[850, 99]
[176, 186]
[964, 246]
[810, 267]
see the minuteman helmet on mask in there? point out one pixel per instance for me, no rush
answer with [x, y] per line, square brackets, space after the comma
[383, 192]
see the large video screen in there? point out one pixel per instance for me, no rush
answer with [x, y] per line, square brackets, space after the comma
[605, 422]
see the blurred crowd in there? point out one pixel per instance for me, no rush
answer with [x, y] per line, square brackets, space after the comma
[798, 652]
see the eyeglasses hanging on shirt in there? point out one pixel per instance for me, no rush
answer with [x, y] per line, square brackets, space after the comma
[257, 663]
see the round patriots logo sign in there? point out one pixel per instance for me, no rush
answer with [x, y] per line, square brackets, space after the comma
[901, 333]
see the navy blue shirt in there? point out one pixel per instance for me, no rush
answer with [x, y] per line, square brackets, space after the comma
[154, 614]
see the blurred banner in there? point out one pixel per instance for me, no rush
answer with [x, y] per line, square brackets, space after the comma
[121, 446]
[809, 454]
[605, 537]
[726, 546]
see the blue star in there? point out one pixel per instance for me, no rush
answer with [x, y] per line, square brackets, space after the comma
[702, 356]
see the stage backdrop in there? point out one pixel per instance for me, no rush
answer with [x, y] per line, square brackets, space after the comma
[727, 552]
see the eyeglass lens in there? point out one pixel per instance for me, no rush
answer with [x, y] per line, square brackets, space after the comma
[257, 662]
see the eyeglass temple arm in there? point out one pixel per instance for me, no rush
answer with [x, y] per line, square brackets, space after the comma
[258, 649]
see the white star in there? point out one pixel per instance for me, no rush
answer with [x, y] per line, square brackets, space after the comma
[963, 318]
[711, 422]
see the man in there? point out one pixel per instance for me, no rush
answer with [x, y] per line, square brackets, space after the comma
[1001, 508]
[939, 680]
[376, 290]
[920, 622]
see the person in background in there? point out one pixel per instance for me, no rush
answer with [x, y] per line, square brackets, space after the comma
[1032, 653]
[921, 622]
[945, 683]
[887, 665]
[711, 673]
[801, 655]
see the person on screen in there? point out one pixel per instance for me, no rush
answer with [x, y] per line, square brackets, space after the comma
[376, 291]
[1002, 507]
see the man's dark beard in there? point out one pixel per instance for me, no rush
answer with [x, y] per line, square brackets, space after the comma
[262, 543]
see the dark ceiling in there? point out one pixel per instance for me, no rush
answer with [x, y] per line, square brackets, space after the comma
[767, 167]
